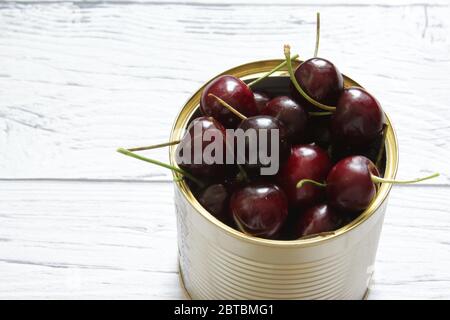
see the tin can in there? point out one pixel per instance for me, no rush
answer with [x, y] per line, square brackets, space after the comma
[218, 262]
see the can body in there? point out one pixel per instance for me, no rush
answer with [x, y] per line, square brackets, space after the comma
[218, 262]
[215, 265]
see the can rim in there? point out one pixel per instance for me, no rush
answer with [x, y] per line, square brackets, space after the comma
[253, 70]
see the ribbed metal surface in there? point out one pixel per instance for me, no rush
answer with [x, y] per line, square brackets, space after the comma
[212, 271]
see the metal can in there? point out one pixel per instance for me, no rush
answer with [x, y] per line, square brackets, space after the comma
[218, 262]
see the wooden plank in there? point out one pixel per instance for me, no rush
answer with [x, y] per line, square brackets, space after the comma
[78, 240]
[78, 81]
[389, 3]
[118, 240]
[413, 260]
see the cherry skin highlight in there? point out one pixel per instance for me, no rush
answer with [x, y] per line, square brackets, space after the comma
[349, 184]
[233, 91]
[320, 79]
[291, 114]
[259, 209]
[305, 162]
[358, 118]
[261, 100]
[317, 219]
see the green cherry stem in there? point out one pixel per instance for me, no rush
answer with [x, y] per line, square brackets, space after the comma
[280, 66]
[242, 117]
[155, 146]
[319, 114]
[374, 178]
[226, 105]
[162, 164]
[383, 180]
[316, 183]
[287, 54]
[316, 49]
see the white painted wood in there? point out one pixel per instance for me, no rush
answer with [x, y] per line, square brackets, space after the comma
[77, 81]
[413, 260]
[88, 240]
[118, 240]
[249, 2]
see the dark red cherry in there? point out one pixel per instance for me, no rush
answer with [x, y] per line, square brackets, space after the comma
[262, 126]
[291, 114]
[215, 200]
[259, 209]
[261, 100]
[358, 118]
[371, 150]
[318, 131]
[349, 184]
[192, 137]
[233, 91]
[320, 79]
[305, 162]
[317, 219]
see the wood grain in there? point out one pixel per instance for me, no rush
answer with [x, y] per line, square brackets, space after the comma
[80, 79]
[347, 3]
[118, 240]
[75, 240]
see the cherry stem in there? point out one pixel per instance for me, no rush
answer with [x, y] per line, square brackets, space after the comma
[241, 228]
[280, 66]
[316, 183]
[287, 54]
[162, 164]
[382, 146]
[377, 179]
[316, 50]
[226, 105]
[155, 146]
[318, 114]
[239, 225]
[242, 173]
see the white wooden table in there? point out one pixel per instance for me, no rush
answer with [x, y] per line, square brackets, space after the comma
[79, 79]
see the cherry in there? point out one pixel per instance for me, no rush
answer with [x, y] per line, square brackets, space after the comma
[259, 123]
[317, 219]
[322, 82]
[259, 209]
[320, 79]
[351, 184]
[316, 81]
[201, 169]
[291, 114]
[215, 200]
[262, 127]
[358, 118]
[304, 162]
[233, 91]
[373, 150]
[261, 100]
[318, 131]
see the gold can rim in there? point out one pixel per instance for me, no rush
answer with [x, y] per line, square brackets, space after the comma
[253, 70]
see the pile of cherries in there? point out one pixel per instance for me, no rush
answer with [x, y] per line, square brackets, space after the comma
[331, 151]
[268, 206]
